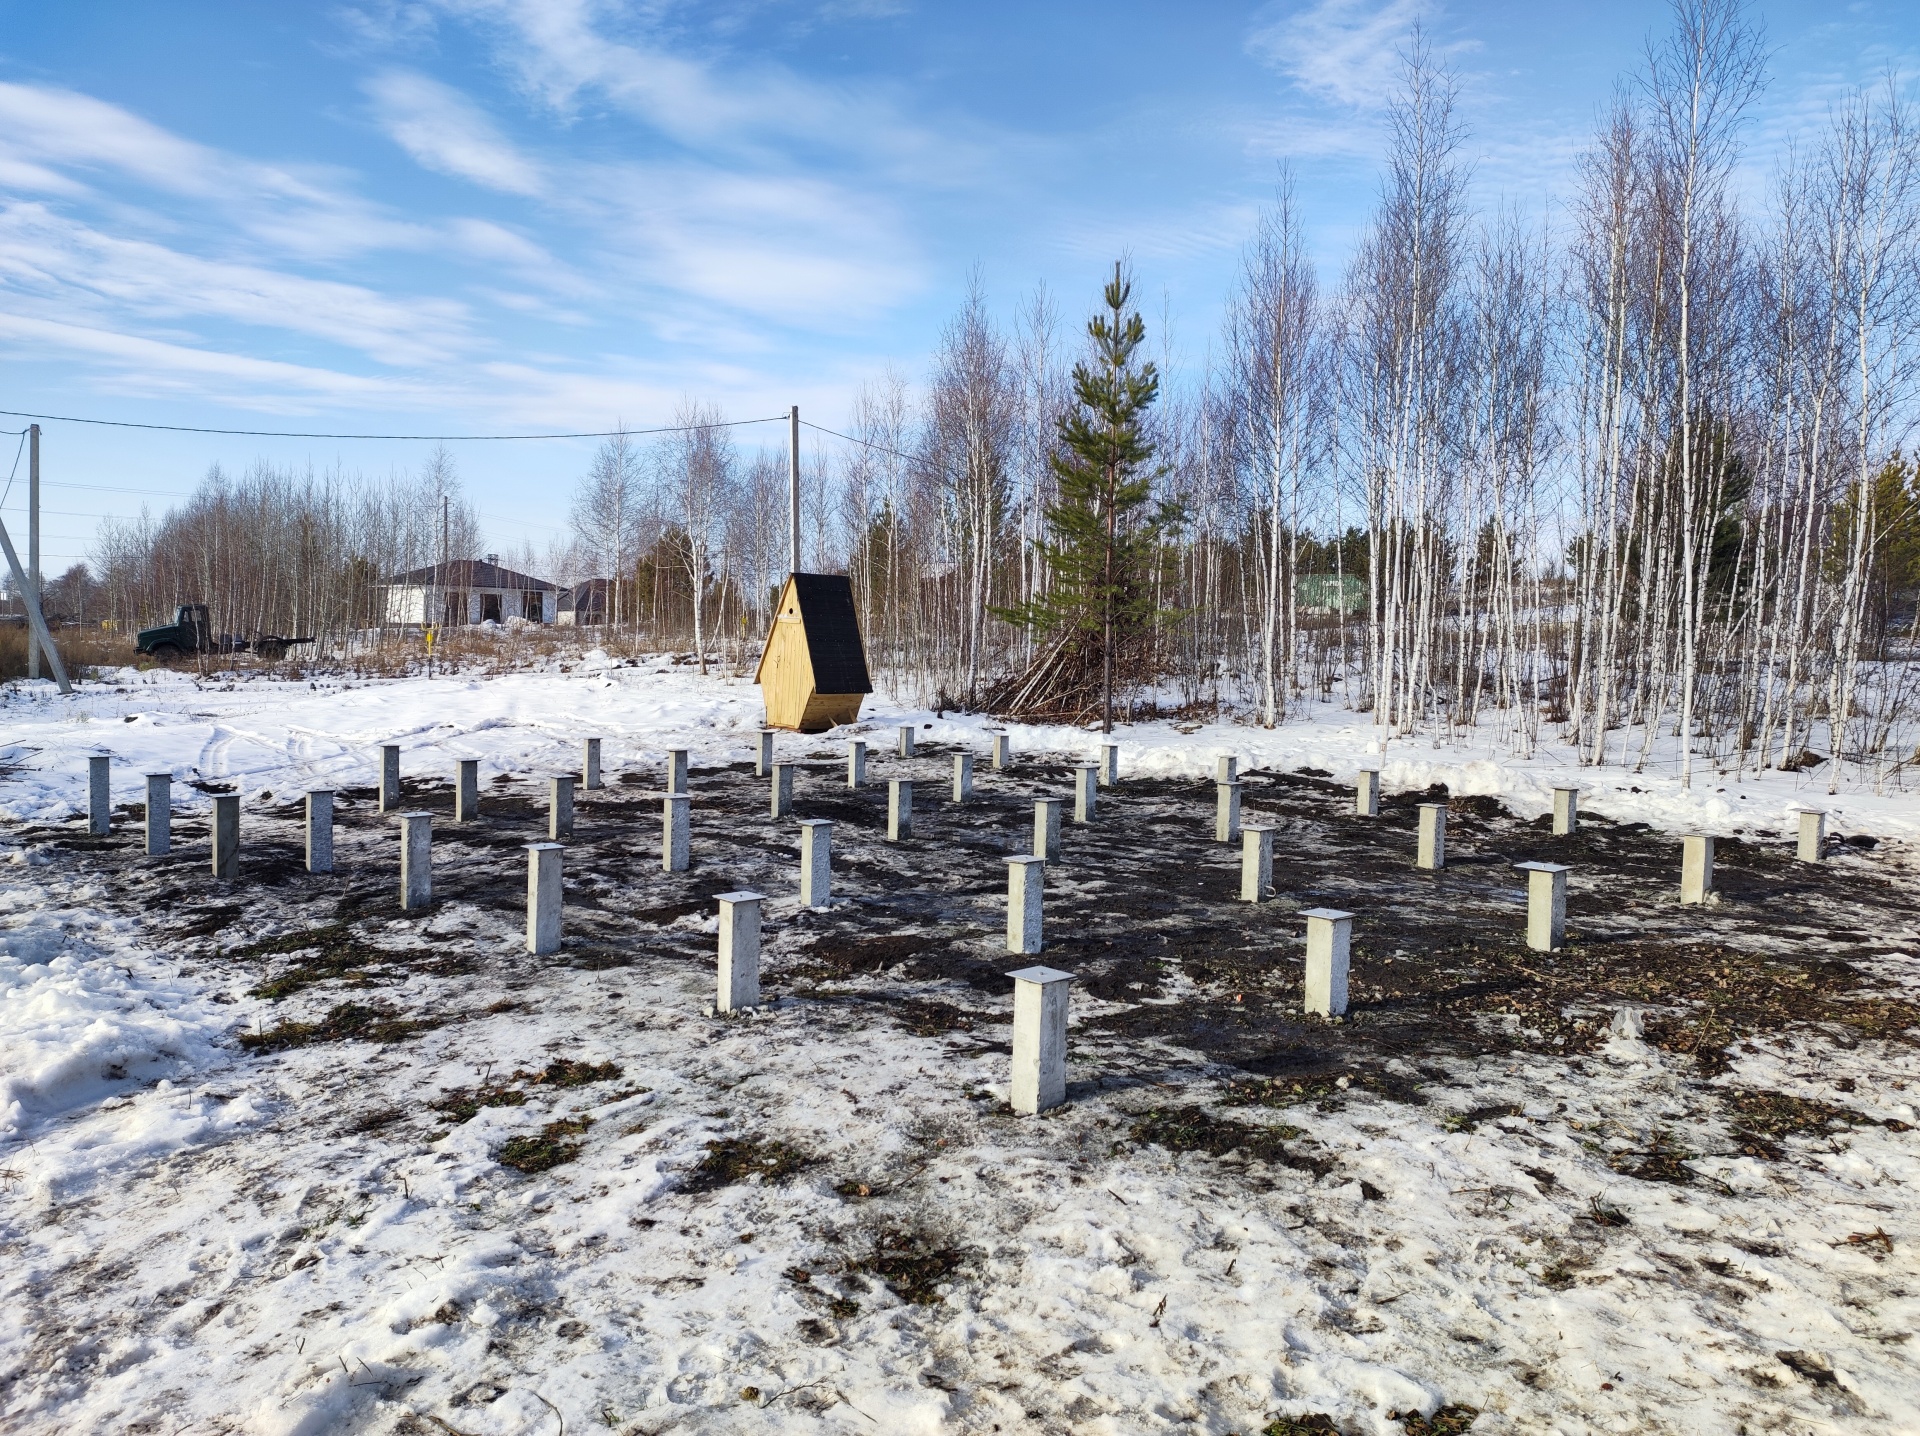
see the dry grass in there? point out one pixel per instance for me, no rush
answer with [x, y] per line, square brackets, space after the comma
[80, 649]
[472, 652]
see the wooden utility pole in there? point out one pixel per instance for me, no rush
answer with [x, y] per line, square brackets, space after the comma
[33, 548]
[793, 486]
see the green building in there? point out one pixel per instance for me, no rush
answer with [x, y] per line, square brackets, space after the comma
[1329, 593]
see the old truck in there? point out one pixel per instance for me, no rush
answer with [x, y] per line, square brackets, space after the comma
[192, 632]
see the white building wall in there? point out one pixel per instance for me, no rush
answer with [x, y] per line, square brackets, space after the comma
[406, 604]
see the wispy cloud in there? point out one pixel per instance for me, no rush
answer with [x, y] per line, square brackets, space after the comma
[1209, 230]
[75, 145]
[792, 248]
[158, 366]
[42, 123]
[445, 131]
[207, 281]
[566, 51]
[1345, 51]
[44, 255]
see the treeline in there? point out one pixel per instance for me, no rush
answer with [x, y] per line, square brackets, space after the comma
[275, 551]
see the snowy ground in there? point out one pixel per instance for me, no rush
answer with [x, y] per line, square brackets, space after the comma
[251, 1133]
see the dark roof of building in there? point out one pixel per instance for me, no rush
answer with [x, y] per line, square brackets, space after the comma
[470, 573]
[833, 633]
[592, 595]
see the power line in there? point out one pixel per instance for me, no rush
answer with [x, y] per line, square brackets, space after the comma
[73, 513]
[409, 438]
[18, 449]
[117, 489]
[865, 443]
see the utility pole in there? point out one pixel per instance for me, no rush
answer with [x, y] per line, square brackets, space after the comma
[793, 484]
[36, 624]
[33, 542]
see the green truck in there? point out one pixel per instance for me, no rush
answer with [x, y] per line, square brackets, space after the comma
[192, 632]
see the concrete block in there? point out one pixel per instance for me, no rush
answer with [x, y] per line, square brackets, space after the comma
[1256, 862]
[906, 742]
[543, 897]
[739, 952]
[781, 786]
[159, 814]
[320, 830]
[899, 809]
[1046, 827]
[856, 763]
[389, 777]
[466, 791]
[226, 835]
[677, 770]
[1086, 791]
[1109, 764]
[1226, 812]
[676, 824]
[763, 755]
[962, 777]
[816, 862]
[1002, 750]
[1432, 851]
[1329, 954]
[1226, 768]
[559, 808]
[416, 861]
[1026, 876]
[1696, 867]
[1546, 905]
[1366, 793]
[590, 766]
[1566, 811]
[1039, 1038]
[99, 795]
[1813, 835]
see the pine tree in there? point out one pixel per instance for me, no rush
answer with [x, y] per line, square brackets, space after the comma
[1103, 542]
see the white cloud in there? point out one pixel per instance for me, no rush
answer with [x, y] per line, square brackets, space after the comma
[445, 131]
[158, 366]
[45, 133]
[1206, 230]
[46, 256]
[140, 252]
[788, 248]
[1340, 50]
[43, 123]
[560, 50]
[18, 175]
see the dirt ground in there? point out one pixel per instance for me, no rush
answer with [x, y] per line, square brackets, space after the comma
[1142, 908]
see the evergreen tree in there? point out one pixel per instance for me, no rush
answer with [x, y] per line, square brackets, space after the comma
[1103, 542]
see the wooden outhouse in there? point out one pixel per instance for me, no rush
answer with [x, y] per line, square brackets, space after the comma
[813, 671]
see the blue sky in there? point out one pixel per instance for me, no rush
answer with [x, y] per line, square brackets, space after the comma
[515, 215]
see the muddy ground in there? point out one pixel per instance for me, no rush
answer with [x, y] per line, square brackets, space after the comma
[1142, 908]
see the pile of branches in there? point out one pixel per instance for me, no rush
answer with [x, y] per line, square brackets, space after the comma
[1062, 684]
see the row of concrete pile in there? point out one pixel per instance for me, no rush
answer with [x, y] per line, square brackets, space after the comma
[1040, 993]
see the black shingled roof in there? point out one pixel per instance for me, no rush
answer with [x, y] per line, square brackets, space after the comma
[469, 573]
[833, 633]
